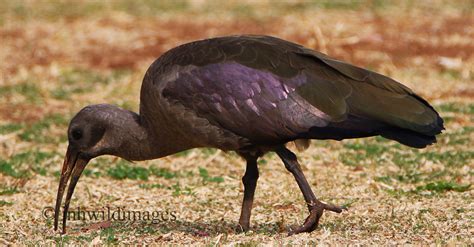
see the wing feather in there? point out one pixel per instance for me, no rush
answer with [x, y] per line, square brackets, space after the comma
[268, 89]
[257, 106]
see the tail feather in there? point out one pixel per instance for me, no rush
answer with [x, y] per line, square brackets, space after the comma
[412, 137]
[439, 124]
[376, 105]
[362, 126]
[408, 137]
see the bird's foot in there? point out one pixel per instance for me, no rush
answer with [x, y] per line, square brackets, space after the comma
[243, 227]
[315, 212]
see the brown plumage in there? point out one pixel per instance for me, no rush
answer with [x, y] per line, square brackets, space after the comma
[251, 95]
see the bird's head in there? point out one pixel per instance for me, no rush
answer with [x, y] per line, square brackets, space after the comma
[96, 130]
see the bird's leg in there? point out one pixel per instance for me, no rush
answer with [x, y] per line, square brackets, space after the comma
[250, 182]
[315, 207]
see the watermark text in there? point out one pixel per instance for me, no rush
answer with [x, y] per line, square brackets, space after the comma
[115, 214]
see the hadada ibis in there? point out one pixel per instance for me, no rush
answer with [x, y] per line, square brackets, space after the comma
[252, 95]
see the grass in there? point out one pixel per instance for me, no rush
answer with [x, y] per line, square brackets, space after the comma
[9, 191]
[163, 172]
[27, 90]
[38, 131]
[8, 128]
[108, 235]
[5, 203]
[207, 178]
[179, 190]
[151, 186]
[55, 10]
[74, 81]
[60, 56]
[456, 107]
[442, 186]
[123, 170]
[26, 164]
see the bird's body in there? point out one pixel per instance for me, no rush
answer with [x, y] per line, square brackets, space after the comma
[242, 92]
[252, 94]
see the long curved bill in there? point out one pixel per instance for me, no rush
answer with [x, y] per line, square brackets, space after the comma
[73, 165]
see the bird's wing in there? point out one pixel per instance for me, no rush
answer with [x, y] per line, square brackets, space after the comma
[268, 89]
[251, 103]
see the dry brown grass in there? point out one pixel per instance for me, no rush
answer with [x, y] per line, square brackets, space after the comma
[53, 64]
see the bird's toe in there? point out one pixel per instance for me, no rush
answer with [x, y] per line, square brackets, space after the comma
[315, 212]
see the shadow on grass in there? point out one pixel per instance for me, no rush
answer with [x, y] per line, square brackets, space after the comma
[194, 228]
[214, 228]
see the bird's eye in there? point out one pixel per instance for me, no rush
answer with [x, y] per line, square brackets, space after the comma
[76, 134]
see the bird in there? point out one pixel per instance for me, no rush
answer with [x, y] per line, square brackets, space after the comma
[251, 94]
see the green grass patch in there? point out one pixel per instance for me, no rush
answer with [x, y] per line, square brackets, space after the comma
[451, 74]
[122, 170]
[354, 159]
[24, 164]
[108, 235]
[369, 149]
[29, 90]
[127, 105]
[5, 203]
[338, 4]
[8, 128]
[9, 191]
[208, 151]
[146, 229]
[56, 10]
[324, 4]
[207, 178]
[77, 81]
[151, 7]
[372, 151]
[450, 158]
[163, 172]
[413, 176]
[456, 107]
[38, 131]
[61, 240]
[51, 10]
[365, 151]
[182, 153]
[443, 186]
[178, 190]
[7, 169]
[430, 189]
[262, 161]
[74, 76]
[416, 157]
[92, 173]
[65, 93]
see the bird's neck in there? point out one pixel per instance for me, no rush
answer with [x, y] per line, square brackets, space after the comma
[143, 140]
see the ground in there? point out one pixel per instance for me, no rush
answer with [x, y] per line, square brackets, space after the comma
[57, 57]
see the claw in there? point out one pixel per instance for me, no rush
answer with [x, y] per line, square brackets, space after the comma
[315, 214]
[334, 208]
